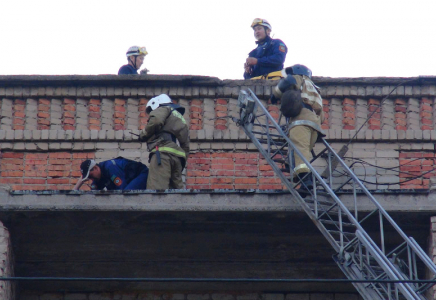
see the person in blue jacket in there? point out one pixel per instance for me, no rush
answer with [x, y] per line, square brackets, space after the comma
[135, 58]
[270, 54]
[115, 174]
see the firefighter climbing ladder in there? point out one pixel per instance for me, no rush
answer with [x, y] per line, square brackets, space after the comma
[362, 251]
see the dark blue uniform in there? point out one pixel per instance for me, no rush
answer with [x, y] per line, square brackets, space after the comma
[270, 56]
[121, 174]
[127, 69]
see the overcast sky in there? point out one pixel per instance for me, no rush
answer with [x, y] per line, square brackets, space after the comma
[334, 38]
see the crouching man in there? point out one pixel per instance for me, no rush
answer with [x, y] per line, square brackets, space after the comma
[115, 174]
[302, 104]
[165, 127]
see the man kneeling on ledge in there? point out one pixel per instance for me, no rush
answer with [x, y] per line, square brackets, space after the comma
[115, 174]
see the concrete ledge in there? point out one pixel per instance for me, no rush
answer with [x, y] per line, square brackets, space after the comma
[201, 201]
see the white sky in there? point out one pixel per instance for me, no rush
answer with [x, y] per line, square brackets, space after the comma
[201, 37]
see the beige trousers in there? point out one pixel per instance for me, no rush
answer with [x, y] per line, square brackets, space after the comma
[304, 138]
[166, 176]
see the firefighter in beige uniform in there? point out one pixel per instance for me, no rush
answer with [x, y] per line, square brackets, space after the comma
[165, 127]
[302, 104]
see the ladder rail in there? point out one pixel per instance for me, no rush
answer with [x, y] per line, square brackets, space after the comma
[407, 290]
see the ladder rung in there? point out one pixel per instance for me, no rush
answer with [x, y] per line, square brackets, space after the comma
[336, 223]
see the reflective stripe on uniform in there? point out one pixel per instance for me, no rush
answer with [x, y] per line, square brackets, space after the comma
[178, 115]
[171, 150]
[301, 167]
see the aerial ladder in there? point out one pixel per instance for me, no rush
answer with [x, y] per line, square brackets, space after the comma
[381, 264]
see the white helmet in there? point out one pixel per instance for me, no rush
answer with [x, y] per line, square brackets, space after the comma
[154, 103]
[135, 50]
[262, 22]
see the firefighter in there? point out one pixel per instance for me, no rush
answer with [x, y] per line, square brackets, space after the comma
[302, 104]
[115, 174]
[135, 58]
[165, 127]
[269, 55]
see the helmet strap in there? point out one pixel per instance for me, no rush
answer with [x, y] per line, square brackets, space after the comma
[133, 62]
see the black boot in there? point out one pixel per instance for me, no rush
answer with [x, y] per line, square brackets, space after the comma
[306, 185]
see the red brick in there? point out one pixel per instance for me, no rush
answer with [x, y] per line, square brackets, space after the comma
[19, 114]
[195, 121]
[400, 109]
[246, 174]
[349, 108]
[43, 121]
[44, 102]
[221, 172]
[195, 109]
[399, 101]
[18, 108]
[221, 167]
[427, 121]
[12, 174]
[373, 108]
[425, 107]
[119, 121]
[424, 114]
[246, 186]
[325, 102]
[36, 155]
[349, 127]
[373, 102]
[265, 168]
[69, 101]
[69, 121]
[374, 127]
[97, 108]
[94, 121]
[273, 108]
[11, 180]
[58, 181]
[196, 102]
[325, 126]
[195, 127]
[43, 108]
[58, 173]
[400, 115]
[270, 180]
[270, 187]
[12, 155]
[245, 180]
[119, 101]
[68, 114]
[220, 108]
[69, 108]
[348, 101]
[33, 181]
[10, 167]
[68, 127]
[374, 122]
[221, 122]
[348, 122]
[401, 122]
[95, 101]
[411, 162]
[222, 186]
[143, 101]
[19, 102]
[425, 127]
[347, 115]
[221, 101]
[94, 115]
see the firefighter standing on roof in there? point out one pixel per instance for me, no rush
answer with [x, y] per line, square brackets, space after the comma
[302, 104]
[135, 58]
[269, 55]
[165, 127]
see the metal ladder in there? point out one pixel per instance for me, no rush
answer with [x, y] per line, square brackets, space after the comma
[362, 251]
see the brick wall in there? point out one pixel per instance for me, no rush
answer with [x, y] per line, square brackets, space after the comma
[189, 296]
[46, 131]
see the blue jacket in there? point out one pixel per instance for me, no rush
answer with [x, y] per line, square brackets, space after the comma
[118, 173]
[127, 69]
[270, 56]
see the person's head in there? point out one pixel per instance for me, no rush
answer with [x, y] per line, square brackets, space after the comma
[135, 56]
[90, 170]
[262, 28]
[155, 102]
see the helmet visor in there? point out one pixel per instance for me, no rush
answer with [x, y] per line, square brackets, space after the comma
[142, 51]
[257, 21]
